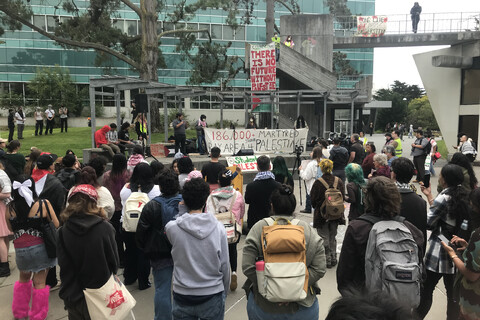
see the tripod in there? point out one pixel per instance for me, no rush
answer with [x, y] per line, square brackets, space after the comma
[298, 161]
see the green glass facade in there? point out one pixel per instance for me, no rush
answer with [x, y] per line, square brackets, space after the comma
[25, 50]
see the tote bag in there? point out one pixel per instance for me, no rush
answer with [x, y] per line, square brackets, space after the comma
[111, 301]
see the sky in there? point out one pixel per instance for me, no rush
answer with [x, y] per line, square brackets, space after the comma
[392, 64]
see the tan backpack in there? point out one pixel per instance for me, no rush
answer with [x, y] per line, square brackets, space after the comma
[284, 252]
[332, 207]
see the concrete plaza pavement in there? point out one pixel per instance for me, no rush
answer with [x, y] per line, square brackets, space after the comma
[235, 308]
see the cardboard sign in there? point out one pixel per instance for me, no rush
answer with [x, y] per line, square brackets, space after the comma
[263, 67]
[246, 163]
[260, 140]
[371, 26]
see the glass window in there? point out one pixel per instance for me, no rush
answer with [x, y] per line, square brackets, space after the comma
[39, 21]
[51, 24]
[167, 26]
[470, 87]
[203, 35]
[216, 31]
[227, 32]
[131, 27]
[342, 114]
[118, 24]
[240, 33]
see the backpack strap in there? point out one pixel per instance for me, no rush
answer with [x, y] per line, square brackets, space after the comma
[335, 182]
[269, 221]
[370, 218]
[325, 184]
[398, 218]
[295, 222]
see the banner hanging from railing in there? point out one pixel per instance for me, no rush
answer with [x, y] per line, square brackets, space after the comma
[371, 26]
[260, 140]
[263, 67]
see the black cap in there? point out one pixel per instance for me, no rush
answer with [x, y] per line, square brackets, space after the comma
[46, 160]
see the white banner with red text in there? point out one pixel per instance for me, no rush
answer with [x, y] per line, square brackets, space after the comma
[263, 67]
[260, 140]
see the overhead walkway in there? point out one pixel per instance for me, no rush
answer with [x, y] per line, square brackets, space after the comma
[433, 29]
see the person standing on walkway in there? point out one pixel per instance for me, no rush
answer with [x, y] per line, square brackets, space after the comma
[415, 14]
[289, 42]
[276, 40]
[50, 114]
[339, 156]
[179, 126]
[20, 119]
[410, 131]
[63, 112]
[327, 229]
[38, 115]
[396, 137]
[11, 124]
[370, 128]
[419, 155]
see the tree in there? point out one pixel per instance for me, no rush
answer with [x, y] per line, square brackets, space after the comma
[420, 114]
[55, 86]
[342, 66]
[400, 94]
[341, 13]
[93, 29]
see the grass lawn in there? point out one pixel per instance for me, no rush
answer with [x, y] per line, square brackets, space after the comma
[442, 148]
[76, 139]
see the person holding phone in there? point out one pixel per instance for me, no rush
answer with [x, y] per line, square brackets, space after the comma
[445, 217]
[465, 255]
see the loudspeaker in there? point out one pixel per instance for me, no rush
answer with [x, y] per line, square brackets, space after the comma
[141, 103]
[245, 152]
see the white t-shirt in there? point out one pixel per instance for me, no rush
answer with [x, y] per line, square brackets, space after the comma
[50, 113]
[19, 118]
[38, 115]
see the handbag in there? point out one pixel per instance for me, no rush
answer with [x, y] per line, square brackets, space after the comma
[437, 155]
[49, 232]
[110, 301]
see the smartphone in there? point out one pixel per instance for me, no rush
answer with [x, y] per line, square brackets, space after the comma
[426, 181]
[447, 242]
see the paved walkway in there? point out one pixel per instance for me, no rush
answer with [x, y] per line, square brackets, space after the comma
[235, 308]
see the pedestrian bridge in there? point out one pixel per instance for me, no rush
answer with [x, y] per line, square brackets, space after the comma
[433, 29]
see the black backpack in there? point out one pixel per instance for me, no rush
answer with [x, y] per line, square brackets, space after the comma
[10, 170]
[428, 147]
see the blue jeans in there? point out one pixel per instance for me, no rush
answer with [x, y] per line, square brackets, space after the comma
[162, 279]
[308, 203]
[213, 309]
[256, 313]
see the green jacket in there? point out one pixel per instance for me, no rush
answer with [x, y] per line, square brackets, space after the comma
[315, 260]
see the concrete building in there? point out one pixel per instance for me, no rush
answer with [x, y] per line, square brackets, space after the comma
[451, 78]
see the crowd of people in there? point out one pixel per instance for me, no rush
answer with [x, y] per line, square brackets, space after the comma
[182, 226]
[17, 118]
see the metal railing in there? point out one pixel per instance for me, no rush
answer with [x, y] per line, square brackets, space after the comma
[346, 26]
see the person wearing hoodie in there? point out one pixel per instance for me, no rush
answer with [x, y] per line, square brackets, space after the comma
[102, 142]
[49, 187]
[221, 200]
[201, 272]
[87, 252]
[136, 158]
[151, 239]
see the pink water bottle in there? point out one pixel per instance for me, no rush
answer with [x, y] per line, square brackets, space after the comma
[260, 271]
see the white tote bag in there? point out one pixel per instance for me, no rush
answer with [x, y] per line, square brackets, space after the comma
[111, 301]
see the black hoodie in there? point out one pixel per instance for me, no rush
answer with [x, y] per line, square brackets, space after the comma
[90, 242]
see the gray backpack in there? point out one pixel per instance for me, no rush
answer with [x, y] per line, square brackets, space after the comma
[392, 265]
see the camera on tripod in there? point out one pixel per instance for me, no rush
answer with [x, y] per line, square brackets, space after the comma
[298, 150]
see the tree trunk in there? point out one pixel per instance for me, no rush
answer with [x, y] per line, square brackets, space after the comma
[270, 20]
[149, 58]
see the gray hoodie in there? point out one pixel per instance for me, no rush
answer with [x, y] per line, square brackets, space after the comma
[200, 255]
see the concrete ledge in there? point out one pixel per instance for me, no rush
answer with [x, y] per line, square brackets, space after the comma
[91, 153]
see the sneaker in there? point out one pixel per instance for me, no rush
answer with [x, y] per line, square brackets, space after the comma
[233, 282]
[305, 211]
